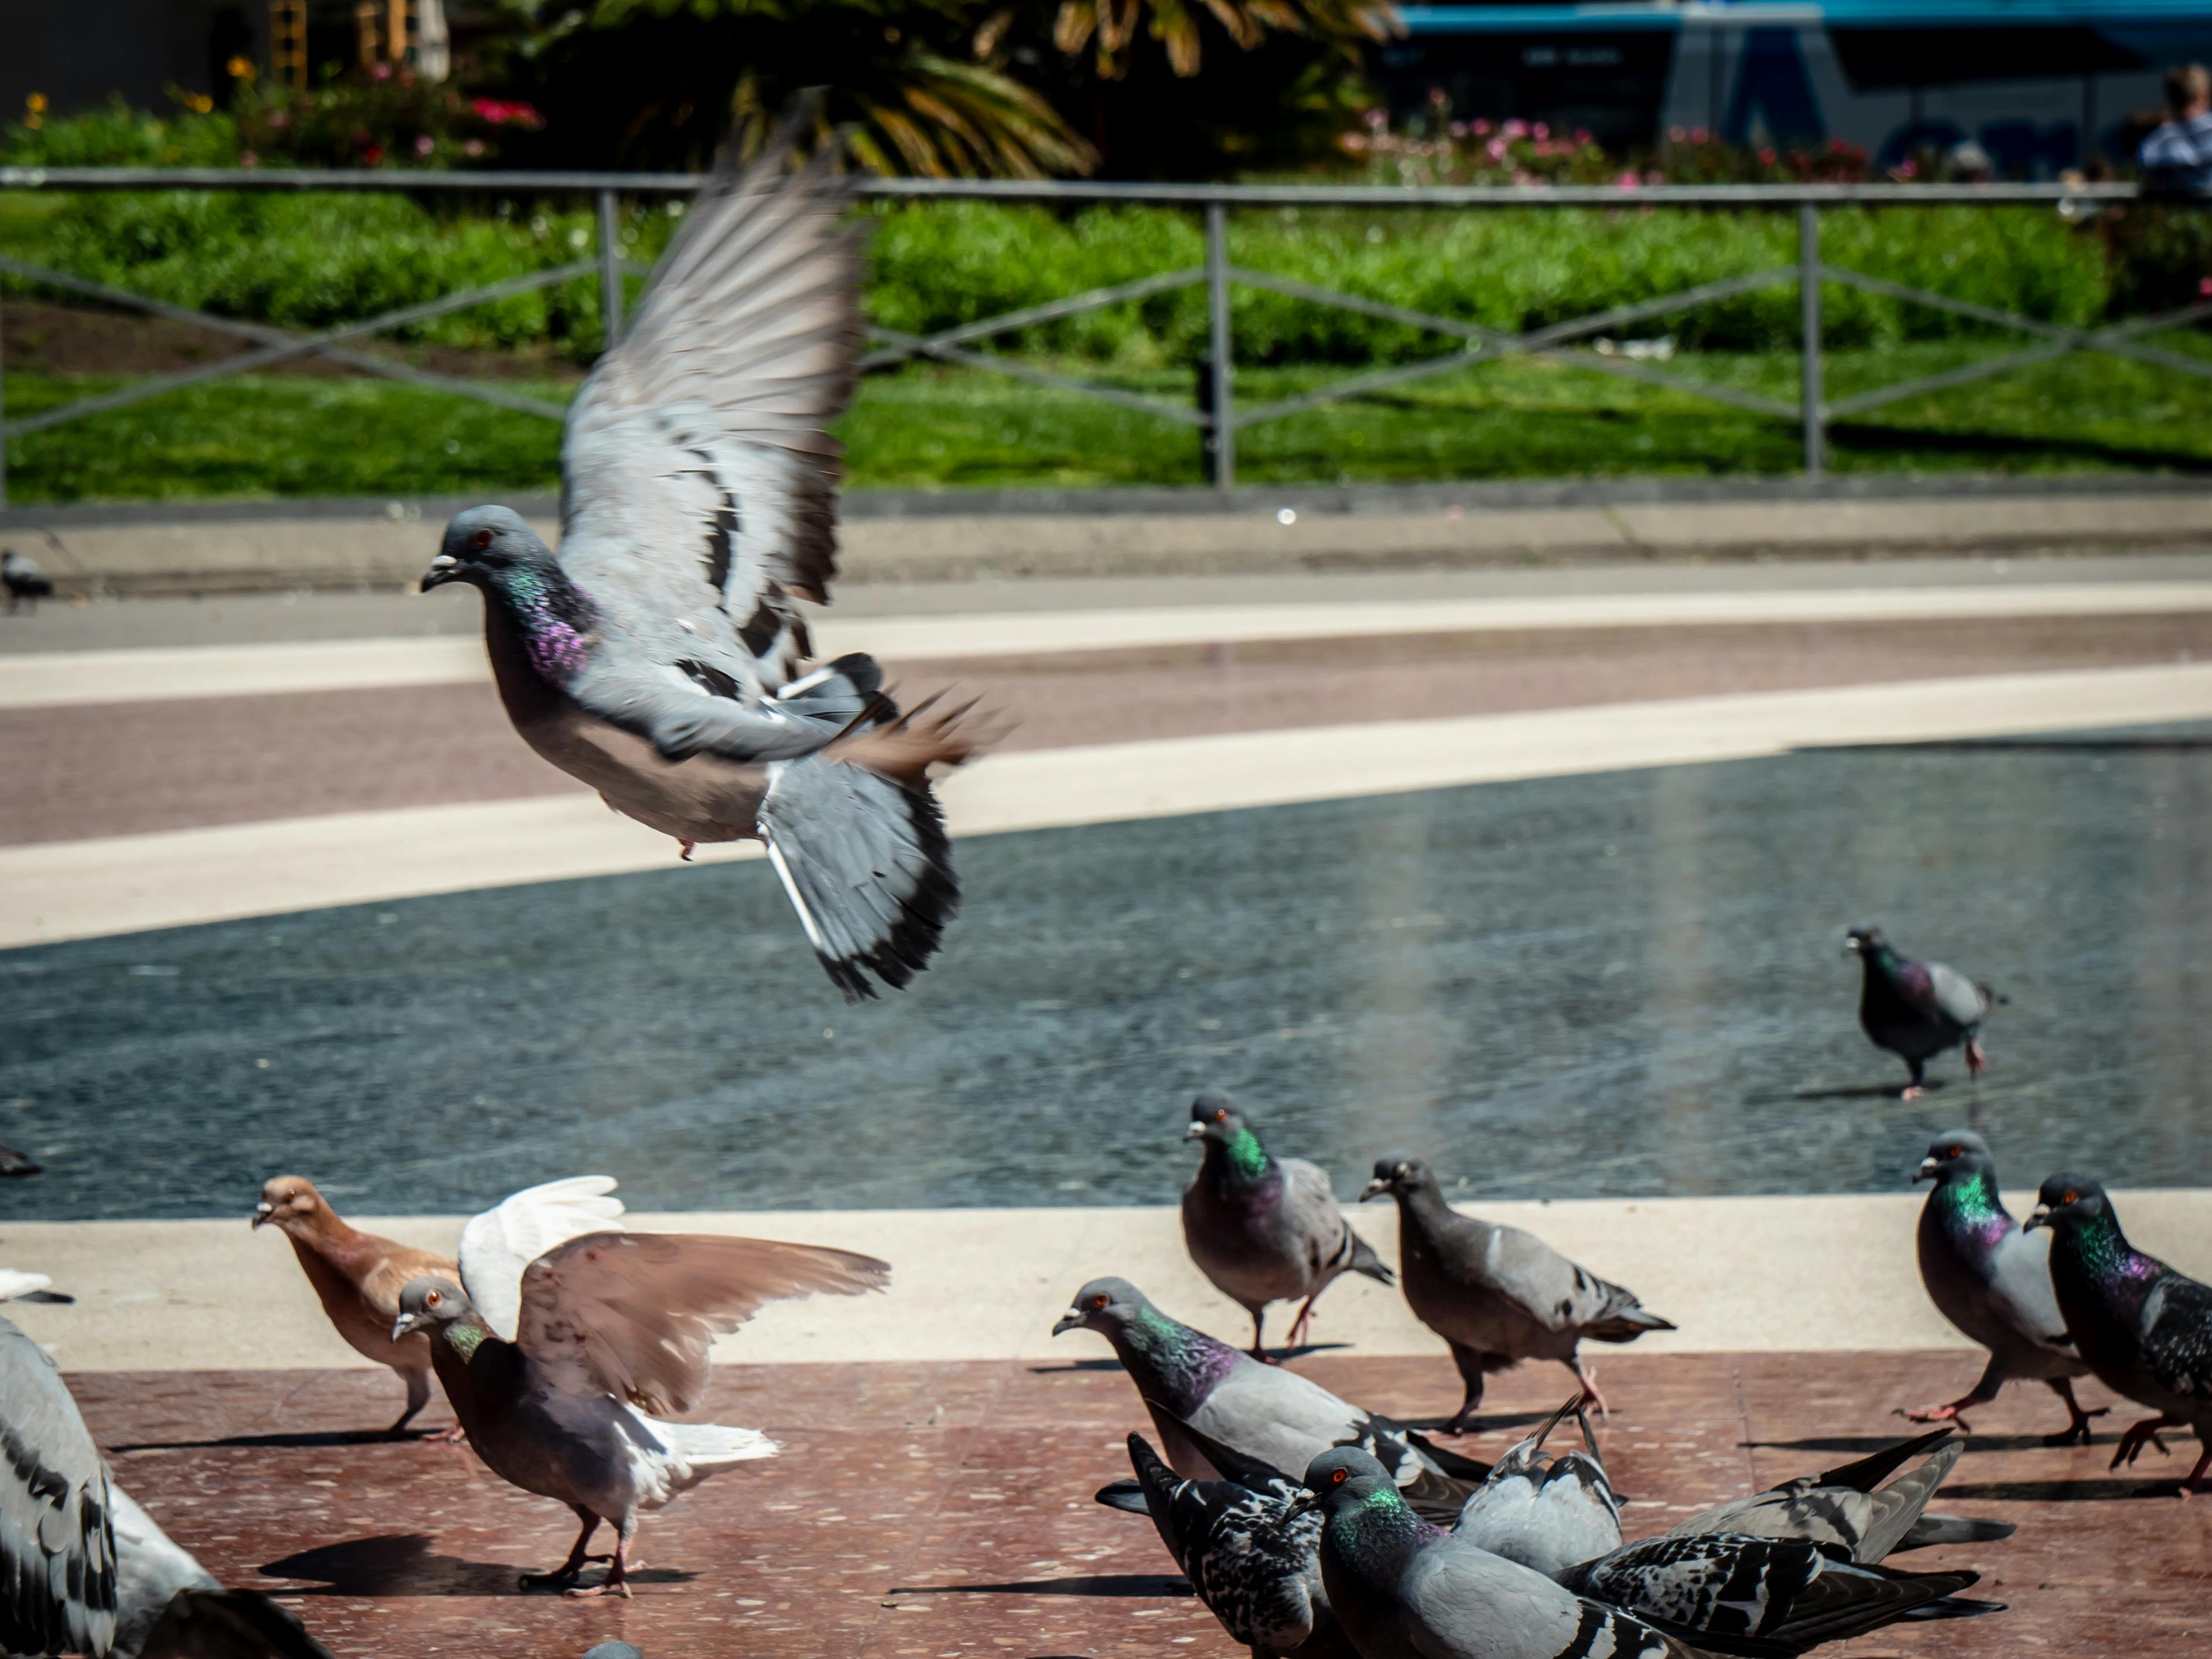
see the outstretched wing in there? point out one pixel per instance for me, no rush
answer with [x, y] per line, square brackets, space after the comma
[57, 1582]
[634, 1314]
[698, 481]
[497, 1245]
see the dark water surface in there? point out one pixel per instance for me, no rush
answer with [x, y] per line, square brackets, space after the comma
[1622, 984]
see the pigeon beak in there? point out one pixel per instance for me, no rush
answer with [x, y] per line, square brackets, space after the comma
[2038, 1217]
[263, 1212]
[1070, 1320]
[1374, 1188]
[405, 1326]
[443, 568]
[1306, 1503]
[1196, 1132]
[1927, 1171]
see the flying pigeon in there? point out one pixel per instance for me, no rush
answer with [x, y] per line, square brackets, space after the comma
[1251, 1552]
[659, 657]
[84, 1569]
[1189, 1381]
[2145, 1329]
[1848, 1508]
[1497, 1295]
[21, 575]
[1993, 1281]
[1405, 1589]
[611, 1337]
[1916, 1010]
[1549, 1513]
[357, 1277]
[16, 1166]
[1265, 1229]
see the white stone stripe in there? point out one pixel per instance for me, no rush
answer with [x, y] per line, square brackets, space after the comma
[35, 679]
[82, 888]
[1746, 1274]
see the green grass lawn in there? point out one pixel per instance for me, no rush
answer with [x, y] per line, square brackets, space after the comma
[932, 427]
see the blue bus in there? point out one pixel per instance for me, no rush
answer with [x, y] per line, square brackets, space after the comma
[2041, 85]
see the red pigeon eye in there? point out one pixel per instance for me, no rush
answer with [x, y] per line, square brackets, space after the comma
[1221, 1115]
[484, 538]
[1956, 1152]
[2069, 1197]
[1336, 1478]
[1100, 1301]
[433, 1298]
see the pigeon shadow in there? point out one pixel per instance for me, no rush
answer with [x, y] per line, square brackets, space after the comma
[404, 1564]
[2119, 745]
[1859, 1445]
[304, 1441]
[2110, 1491]
[1856, 1092]
[1076, 1365]
[1489, 1423]
[1098, 1585]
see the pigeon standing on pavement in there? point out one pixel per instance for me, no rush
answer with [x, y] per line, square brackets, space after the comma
[1916, 1010]
[611, 1339]
[1992, 1280]
[1267, 1413]
[1497, 1295]
[357, 1277]
[1549, 1513]
[2145, 1329]
[659, 656]
[24, 579]
[1262, 1229]
[84, 1569]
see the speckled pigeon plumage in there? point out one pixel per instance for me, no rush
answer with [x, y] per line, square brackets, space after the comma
[611, 1339]
[2145, 1328]
[1916, 1010]
[1404, 1590]
[1199, 1390]
[1264, 1229]
[1993, 1279]
[1548, 1513]
[1249, 1552]
[660, 657]
[1498, 1295]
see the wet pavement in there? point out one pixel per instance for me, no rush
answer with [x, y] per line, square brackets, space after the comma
[1624, 983]
[942, 1511]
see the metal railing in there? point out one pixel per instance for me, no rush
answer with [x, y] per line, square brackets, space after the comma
[1216, 414]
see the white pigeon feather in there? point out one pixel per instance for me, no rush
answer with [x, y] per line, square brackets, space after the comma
[499, 1244]
[14, 1282]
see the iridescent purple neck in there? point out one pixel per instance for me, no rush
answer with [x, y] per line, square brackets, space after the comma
[555, 618]
[1181, 1365]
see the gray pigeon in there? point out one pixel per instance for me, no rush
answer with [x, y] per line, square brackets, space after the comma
[1405, 1589]
[1549, 1513]
[659, 657]
[1992, 1280]
[1497, 1295]
[611, 1326]
[612, 1651]
[1916, 1010]
[1265, 1229]
[20, 575]
[1199, 1391]
[2144, 1328]
[84, 1569]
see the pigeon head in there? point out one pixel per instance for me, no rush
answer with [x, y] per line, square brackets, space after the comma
[1104, 1305]
[486, 547]
[1345, 1479]
[1214, 1117]
[434, 1303]
[1953, 1153]
[291, 1202]
[1399, 1176]
[1863, 941]
[2069, 1201]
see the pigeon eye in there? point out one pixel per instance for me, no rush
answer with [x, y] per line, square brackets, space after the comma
[1221, 1115]
[481, 539]
[1100, 1301]
[1956, 1152]
[1336, 1477]
[2068, 1197]
[433, 1298]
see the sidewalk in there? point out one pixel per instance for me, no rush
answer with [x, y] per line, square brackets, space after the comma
[213, 548]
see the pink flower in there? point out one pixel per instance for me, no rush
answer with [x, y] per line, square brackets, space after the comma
[246, 158]
[1516, 128]
[1628, 180]
[1676, 135]
[1375, 120]
[1459, 129]
[425, 144]
[1698, 135]
[1482, 129]
[2204, 287]
[1495, 149]
[1907, 169]
[472, 147]
[1581, 136]
[1541, 130]
[379, 72]
[1766, 157]
[280, 120]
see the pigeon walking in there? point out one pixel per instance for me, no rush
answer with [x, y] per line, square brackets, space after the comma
[611, 1337]
[84, 1569]
[1916, 1010]
[20, 575]
[357, 1277]
[1992, 1280]
[1265, 1229]
[2145, 1329]
[659, 657]
[1549, 1513]
[1497, 1295]
[1199, 1390]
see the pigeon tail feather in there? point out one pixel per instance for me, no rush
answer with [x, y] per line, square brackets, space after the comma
[711, 1448]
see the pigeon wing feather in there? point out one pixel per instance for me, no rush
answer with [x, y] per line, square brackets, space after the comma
[57, 1577]
[497, 1245]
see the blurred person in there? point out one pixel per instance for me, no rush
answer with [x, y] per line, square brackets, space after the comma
[2177, 156]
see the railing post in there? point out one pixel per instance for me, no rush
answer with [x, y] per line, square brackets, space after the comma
[1221, 412]
[611, 293]
[3, 414]
[1812, 414]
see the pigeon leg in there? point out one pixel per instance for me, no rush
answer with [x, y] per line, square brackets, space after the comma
[2076, 1430]
[687, 845]
[1914, 1090]
[565, 1575]
[1302, 1326]
[1587, 1376]
[1470, 1370]
[418, 1395]
[617, 1583]
[2197, 1481]
[1977, 1060]
[2131, 1442]
[1980, 1395]
[456, 1435]
[1259, 1324]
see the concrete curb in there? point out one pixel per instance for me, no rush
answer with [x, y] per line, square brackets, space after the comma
[188, 550]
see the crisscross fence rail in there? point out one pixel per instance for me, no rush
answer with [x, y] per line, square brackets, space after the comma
[1216, 413]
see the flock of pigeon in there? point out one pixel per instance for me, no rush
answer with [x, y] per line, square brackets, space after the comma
[659, 656]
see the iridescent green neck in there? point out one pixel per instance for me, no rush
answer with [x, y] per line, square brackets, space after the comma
[1247, 1158]
[2101, 1246]
[1971, 1196]
[466, 1336]
[1378, 1531]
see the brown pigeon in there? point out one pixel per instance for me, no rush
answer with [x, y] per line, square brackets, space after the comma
[359, 1277]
